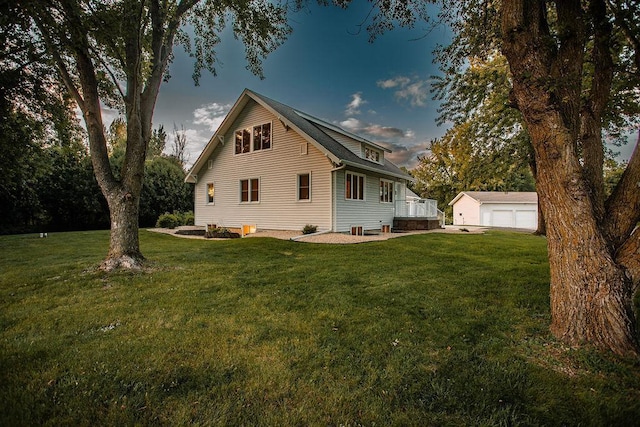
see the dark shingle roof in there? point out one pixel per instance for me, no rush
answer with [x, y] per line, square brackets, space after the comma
[342, 153]
[310, 128]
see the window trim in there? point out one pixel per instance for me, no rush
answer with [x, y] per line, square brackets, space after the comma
[210, 198]
[298, 187]
[235, 141]
[251, 131]
[369, 152]
[390, 190]
[253, 134]
[250, 191]
[348, 184]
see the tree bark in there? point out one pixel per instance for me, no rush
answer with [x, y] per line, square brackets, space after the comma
[591, 294]
[124, 245]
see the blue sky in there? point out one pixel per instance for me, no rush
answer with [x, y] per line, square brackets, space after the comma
[326, 68]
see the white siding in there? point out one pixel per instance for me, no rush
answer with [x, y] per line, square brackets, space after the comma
[277, 170]
[370, 213]
[351, 144]
[466, 211]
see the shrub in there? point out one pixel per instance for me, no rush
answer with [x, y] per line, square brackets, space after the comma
[189, 218]
[175, 219]
[309, 229]
[167, 220]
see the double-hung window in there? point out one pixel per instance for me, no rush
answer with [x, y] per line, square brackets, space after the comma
[386, 191]
[354, 186]
[250, 190]
[304, 186]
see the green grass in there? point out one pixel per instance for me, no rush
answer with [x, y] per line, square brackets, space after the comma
[421, 330]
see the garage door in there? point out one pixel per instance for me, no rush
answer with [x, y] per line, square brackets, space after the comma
[526, 219]
[502, 219]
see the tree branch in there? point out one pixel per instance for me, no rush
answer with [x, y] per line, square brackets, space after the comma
[623, 206]
[629, 257]
[62, 67]
[594, 108]
[110, 72]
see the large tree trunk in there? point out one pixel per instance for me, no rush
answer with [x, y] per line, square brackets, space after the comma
[591, 292]
[124, 245]
[591, 297]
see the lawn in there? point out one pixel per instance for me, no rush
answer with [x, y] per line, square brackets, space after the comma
[421, 330]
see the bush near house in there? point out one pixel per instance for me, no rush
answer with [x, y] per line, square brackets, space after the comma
[429, 329]
[309, 229]
[175, 219]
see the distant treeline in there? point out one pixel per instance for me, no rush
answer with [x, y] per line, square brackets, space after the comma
[49, 185]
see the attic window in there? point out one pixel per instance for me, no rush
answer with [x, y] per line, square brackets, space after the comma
[253, 139]
[243, 141]
[262, 137]
[371, 154]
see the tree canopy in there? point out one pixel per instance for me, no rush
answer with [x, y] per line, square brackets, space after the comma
[117, 54]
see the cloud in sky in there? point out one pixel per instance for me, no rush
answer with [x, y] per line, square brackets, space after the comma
[354, 106]
[410, 89]
[373, 130]
[406, 155]
[399, 81]
[403, 153]
[210, 115]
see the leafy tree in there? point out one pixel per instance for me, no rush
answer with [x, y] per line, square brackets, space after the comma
[164, 190]
[35, 114]
[117, 53]
[460, 161]
[21, 164]
[488, 148]
[70, 196]
[157, 143]
[575, 71]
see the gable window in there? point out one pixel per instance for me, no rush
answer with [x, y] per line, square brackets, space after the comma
[304, 186]
[210, 193]
[250, 190]
[386, 191]
[253, 139]
[371, 154]
[354, 186]
[243, 141]
[262, 137]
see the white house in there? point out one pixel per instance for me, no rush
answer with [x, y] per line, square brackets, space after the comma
[278, 168]
[496, 209]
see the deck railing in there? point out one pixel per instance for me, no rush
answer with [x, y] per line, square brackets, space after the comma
[419, 208]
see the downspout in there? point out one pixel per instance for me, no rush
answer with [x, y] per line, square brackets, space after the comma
[334, 195]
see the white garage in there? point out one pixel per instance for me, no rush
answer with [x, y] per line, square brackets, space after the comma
[496, 209]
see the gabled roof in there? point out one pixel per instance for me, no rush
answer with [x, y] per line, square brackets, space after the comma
[308, 127]
[499, 196]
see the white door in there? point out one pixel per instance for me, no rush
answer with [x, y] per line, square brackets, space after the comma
[502, 218]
